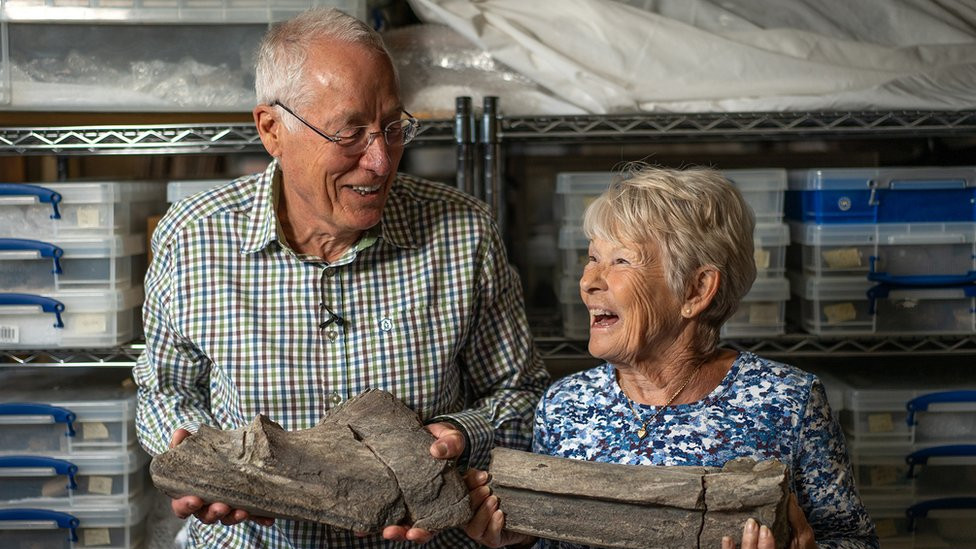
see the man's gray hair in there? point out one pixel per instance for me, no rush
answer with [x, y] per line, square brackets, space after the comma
[280, 63]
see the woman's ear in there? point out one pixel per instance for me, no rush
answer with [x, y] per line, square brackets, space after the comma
[701, 291]
[268, 125]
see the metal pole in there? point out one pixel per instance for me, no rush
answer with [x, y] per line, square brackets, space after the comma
[491, 158]
[464, 138]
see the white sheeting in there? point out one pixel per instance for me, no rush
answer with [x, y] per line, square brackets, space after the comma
[607, 56]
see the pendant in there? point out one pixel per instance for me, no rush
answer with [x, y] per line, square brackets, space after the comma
[641, 433]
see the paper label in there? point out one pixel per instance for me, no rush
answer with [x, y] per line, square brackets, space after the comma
[9, 334]
[100, 485]
[842, 258]
[88, 323]
[761, 255]
[87, 217]
[764, 313]
[94, 430]
[880, 423]
[839, 312]
[91, 537]
[55, 488]
[886, 528]
[884, 475]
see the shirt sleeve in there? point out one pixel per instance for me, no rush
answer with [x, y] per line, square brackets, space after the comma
[171, 375]
[824, 481]
[504, 375]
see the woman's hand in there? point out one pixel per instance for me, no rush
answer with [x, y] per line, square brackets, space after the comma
[487, 526]
[209, 513]
[755, 536]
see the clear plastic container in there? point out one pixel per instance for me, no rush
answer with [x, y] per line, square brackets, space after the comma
[943, 523]
[101, 262]
[67, 412]
[762, 312]
[882, 195]
[108, 526]
[842, 306]
[51, 210]
[894, 249]
[70, 318]
[904, 408]
[890, 521]
[81, 479]
[762, 188]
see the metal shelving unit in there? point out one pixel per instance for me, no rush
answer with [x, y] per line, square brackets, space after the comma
[483, 139]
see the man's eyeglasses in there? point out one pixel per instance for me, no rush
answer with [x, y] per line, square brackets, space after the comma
[354, 140]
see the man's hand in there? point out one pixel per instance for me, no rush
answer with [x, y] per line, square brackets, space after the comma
[449, 445]
[755, 536]
[209, 513]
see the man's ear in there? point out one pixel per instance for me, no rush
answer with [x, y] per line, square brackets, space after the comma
[701, 291]
[269, 126]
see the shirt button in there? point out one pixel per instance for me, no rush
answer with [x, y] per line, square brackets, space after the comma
[332, 335]
[330, 271]
[336, 399]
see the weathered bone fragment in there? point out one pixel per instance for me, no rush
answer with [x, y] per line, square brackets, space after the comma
[635, 506]
[366, 465]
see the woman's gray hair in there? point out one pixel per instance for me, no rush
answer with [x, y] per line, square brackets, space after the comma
[280, 64]
[697, 217]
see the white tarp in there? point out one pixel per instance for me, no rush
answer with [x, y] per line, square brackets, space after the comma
[606, 56]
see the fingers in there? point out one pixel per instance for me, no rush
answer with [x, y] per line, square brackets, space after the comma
[766, 540]
[803, 537]
[395, 533]
[402, 533]
[178, 436]
[450, 442]
[477, 527]
[727, 543]
[475, 478]
[750, 535]
[185, 506]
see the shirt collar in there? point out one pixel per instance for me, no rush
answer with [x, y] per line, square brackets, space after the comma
[398, 225]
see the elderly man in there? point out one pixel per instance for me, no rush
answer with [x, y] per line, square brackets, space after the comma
[289, 291]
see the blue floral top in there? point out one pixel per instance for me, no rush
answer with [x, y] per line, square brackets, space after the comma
[762, 409]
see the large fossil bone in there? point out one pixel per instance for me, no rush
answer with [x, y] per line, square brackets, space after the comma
[635, 506]
[366, 465]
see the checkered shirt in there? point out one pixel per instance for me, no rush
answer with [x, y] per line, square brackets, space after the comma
[432, 312]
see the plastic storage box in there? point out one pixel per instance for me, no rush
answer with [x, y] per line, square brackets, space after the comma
[904, 408]
[770, 241]
[107, 208]
[67, 412]
[882, 195]
[763, 189]
[82, 479]
[72, 263]
[857, 306]
[762, 312]
[923, 251]
[943, 523]
[923, 471]
[70, 318]
[107, 526]
[178, 190]
[129, 55]
[890, 520]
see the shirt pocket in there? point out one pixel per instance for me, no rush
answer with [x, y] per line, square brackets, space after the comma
[413, 354]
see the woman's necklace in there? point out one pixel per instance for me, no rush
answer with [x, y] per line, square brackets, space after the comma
[642, 432]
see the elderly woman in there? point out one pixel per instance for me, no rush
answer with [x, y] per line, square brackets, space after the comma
[670, 257]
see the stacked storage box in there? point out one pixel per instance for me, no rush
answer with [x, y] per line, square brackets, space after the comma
[72, 260]
[136, 56]
[912, 443]
[883, 250]
[762, 311]
[71, 472]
